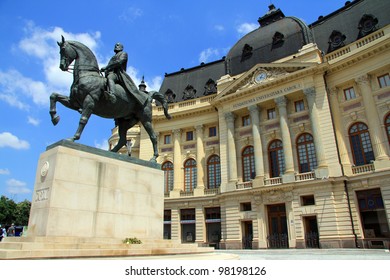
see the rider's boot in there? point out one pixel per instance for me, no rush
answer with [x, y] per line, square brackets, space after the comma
[110, 94]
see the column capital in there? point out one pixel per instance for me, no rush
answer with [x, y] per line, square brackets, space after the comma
[230, 117]
[333, 91]
[281, 101]
[176, 132]
[363, 80]
[253, 108]
[310, 92]
[199, 127]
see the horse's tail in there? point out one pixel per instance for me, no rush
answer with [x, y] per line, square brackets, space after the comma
[161, 98]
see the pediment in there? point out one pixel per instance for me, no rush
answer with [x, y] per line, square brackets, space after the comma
[261, 75]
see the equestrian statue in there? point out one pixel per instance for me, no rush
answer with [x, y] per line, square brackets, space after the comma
[114, 96]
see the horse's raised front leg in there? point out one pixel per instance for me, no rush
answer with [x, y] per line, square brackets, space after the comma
[64, 100]
[149, 129]
[123, 127]
[88, 106]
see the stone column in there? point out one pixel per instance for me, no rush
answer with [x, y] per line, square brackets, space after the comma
[310, 94]
[200, 157]
[257, 145]
[338, 127]
[175, 224]
[231, 146]
[374, 124]
[177, 164]
[289, 175]
[200, 226]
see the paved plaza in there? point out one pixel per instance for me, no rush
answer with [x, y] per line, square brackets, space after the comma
[311, 254]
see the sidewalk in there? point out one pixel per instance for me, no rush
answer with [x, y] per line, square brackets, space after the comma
[311, 254]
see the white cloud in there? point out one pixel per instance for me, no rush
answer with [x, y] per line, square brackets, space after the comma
[155, 84]
[209, 54]
[102, 145]
[33, 121]
[9, 140]
[15, 88]
[219, 27]
[17, 187]
[4, 172]
[131, 14]
[245, 28]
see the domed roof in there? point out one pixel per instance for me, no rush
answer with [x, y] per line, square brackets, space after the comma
[277, 37]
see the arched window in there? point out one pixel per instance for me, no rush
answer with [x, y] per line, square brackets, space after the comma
[248, 164]
[361, 144]
[387, 125]
[213, 172]
[276, 158]
[190, 175]
[306, 153]
[167, 167]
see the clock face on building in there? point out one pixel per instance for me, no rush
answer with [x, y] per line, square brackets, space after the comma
[260, 77]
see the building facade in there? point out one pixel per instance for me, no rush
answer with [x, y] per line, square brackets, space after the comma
[285, 142]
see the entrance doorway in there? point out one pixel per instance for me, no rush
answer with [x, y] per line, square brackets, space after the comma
[311, 232]
[277, 222]
[247, 234]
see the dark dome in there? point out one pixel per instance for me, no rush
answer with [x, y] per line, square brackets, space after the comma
[268, 43]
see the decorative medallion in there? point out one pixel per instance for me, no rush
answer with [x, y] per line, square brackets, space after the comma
[261, 76]
[45, 168]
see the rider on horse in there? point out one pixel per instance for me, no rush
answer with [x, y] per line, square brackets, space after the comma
[115, 73]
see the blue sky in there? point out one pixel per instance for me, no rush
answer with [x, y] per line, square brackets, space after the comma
[159, 36]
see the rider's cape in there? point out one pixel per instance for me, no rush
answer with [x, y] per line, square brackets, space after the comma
[131, 88]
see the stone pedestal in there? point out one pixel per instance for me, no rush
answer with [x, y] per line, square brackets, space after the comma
[84, 192]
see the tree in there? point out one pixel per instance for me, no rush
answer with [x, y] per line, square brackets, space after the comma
[11, 212]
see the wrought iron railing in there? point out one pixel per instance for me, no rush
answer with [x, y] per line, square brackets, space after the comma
[277, 240]
[312, 240]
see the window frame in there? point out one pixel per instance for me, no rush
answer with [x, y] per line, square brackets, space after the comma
[360, 143]
[167, 167]
[384, 80]
[299, 106]
[307, 156]
[167, 139]
[213, 172]
[190, 175]
[349, 93]
[271, 114]
[248, 161]
[246, 120]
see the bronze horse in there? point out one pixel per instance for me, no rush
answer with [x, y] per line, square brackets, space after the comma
[87, 96]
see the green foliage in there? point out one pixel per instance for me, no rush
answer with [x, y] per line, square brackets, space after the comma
[133, 240]
[12, 212]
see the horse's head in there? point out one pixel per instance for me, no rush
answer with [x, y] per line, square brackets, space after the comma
[68, 54]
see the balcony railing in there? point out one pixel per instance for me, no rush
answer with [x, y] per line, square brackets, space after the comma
[357, 44]
[305, 176]
[244, 185]
[186, 193]
[273, 181]
[212, 191]
[363, 168]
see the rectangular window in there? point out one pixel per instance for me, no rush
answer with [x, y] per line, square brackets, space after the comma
[384, 81]
[349, 93]
[246, 120]
[212, 131]
[167, 139]
[299, 106]
[307, 200]
[271, 114]
[246, 206]
[189, 135]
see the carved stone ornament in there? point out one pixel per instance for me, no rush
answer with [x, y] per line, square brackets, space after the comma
[45, 168]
